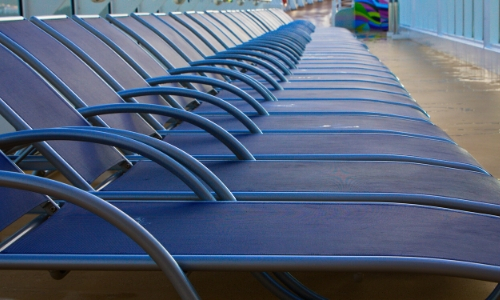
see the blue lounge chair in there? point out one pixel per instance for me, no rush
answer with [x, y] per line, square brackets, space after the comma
[20, 196]
[75, 166]
[326, 236]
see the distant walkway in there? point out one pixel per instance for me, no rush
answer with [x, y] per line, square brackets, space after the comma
[319, 13]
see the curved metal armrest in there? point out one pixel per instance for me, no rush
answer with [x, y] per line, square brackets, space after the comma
[290, 35]
[286, 59]
[180, 156]
[213, 82]
[218, 132]
[228, 107]
[110, 214]
[255, 60]
[261, 89]
[218, 61]
[68, 134]
[258, 54]
[284, 42]
[284, 46]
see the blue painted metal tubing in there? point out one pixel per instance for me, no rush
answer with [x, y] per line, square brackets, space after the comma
[140, 40]
[81, 21]
[287, 60]
[218, 132]
[297, 287]
[264, 262]
[288, 33]
[271, 42]
[180, 156]
[293, 33]
[261, 55]
[228, 107]
[40, 135]
[255, 60]
[282, 48]
[249, 67]
[261, 89]
[283, 43]
[213, 82]
[79, 52]
[112, 215]
[274, 287]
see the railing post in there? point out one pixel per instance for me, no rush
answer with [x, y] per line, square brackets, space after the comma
[439, 16]
[335, 9]
[486, 24]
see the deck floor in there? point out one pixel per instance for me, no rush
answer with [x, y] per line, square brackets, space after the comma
[462, 99]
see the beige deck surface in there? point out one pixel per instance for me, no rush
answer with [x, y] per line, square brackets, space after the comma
[463, 100]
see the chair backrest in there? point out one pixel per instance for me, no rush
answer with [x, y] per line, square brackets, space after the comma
[235, 39]
[77, 76]
[210, 28]
[28, 102]
[99, 51]
[187, 33]
[230, 25]
[121, 72]
[282, 15]
[202, 33]
[259, 25]
[257, 22]
[117, 38]
[267, 18]
[174, 58]
[250, 31]
[172, 37]
[15, 203]
[162, 48]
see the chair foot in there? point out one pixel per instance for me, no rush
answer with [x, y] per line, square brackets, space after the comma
[358, 277]
[58, 274]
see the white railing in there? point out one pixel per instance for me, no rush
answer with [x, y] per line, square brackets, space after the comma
[28, 8]
[472, 20]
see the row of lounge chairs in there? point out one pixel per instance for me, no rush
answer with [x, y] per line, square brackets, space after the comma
[236, 140]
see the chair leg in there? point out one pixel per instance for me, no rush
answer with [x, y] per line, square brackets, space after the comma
[275, 287]
[297, 287]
